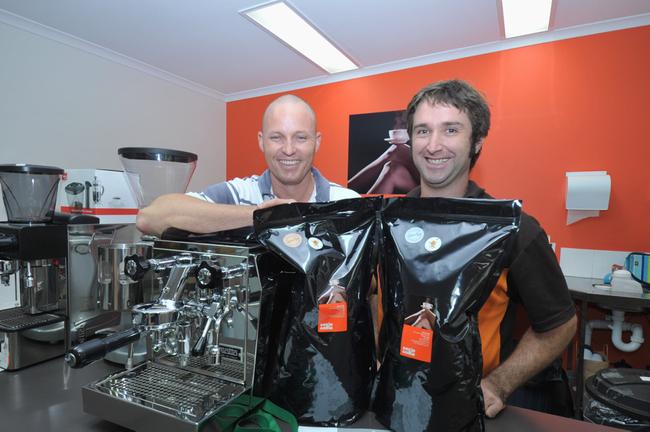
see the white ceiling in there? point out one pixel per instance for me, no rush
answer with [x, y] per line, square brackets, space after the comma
[207, 45]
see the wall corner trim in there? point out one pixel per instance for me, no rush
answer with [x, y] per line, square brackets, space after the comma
[55, 35]
[486, 48]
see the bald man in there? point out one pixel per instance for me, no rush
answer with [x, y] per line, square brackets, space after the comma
[289, 141]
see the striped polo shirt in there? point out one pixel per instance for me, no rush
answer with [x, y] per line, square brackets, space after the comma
[255, 189]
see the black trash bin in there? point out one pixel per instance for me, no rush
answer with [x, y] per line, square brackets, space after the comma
[618, 398]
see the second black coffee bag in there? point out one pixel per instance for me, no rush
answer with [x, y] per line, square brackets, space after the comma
[441, 258]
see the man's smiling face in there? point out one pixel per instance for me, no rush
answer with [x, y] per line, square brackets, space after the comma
[289, 141]
[441, 146]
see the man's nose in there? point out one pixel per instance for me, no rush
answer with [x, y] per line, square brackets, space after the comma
[435, 142]
[288, 147]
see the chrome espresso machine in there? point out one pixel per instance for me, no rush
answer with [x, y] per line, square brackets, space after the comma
[101, 295]
[208, 333]
[33, 252]
[204, 306]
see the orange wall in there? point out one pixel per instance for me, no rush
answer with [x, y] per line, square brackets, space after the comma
[575, 105]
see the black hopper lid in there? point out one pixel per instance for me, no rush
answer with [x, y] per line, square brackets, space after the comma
[158, 154]
[30, 169]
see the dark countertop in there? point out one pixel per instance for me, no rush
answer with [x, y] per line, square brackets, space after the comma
[47, 397]
[583, 289]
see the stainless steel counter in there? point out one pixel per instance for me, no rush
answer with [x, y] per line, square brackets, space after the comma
[47, 397]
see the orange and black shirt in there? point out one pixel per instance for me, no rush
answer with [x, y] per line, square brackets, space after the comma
[532, 278]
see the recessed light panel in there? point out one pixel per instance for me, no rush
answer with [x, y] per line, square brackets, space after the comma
[522, 17]
[284, 23]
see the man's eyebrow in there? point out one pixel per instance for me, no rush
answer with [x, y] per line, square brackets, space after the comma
[453, 123]
[419, 125]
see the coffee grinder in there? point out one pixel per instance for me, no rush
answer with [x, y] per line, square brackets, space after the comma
[33, 252]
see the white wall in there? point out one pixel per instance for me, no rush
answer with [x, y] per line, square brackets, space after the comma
[63, 106]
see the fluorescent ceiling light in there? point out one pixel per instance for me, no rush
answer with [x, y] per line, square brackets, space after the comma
[284, 23]
[521, 17]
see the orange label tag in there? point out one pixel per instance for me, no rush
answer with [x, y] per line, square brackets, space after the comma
[416, 343]
[333, 317]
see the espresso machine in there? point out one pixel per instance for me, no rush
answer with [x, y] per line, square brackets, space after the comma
[208, 334]
[101, 294]
[33, 251]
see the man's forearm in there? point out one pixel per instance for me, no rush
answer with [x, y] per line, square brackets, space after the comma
[534, 352]
[192, 214]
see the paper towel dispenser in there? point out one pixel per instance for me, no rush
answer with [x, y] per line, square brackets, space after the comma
[588, 190]
[587, 193]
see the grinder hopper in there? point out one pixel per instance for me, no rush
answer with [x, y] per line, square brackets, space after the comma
[155, 171]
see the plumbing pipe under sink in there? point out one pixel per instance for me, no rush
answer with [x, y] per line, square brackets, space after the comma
[616, 323]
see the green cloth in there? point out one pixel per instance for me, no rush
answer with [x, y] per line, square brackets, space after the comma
[252, 414]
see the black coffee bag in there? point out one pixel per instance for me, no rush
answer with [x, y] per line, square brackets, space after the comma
[440, 260]
[325, 363]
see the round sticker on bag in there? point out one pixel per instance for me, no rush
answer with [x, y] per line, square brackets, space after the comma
[413, 235]
[432, 244]
[292, 240]
[315, 243]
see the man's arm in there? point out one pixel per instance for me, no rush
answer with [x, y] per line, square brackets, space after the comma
[534, 352]
[195, 215]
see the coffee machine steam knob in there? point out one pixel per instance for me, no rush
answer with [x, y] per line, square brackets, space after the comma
[208, 274]
[135, 267]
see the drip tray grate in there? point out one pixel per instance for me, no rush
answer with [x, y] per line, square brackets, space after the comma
[13, 320]
[184, 394]
[229, 370]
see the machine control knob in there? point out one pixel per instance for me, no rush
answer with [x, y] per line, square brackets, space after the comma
[208, 274]
[204, 277]
[135, 267]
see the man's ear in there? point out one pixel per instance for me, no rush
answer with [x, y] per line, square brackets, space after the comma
[260, 141]
[478, 146]
[317, 141]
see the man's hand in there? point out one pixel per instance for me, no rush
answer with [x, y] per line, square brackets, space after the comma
[494, 404]
[533, 353]
[273, 202]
